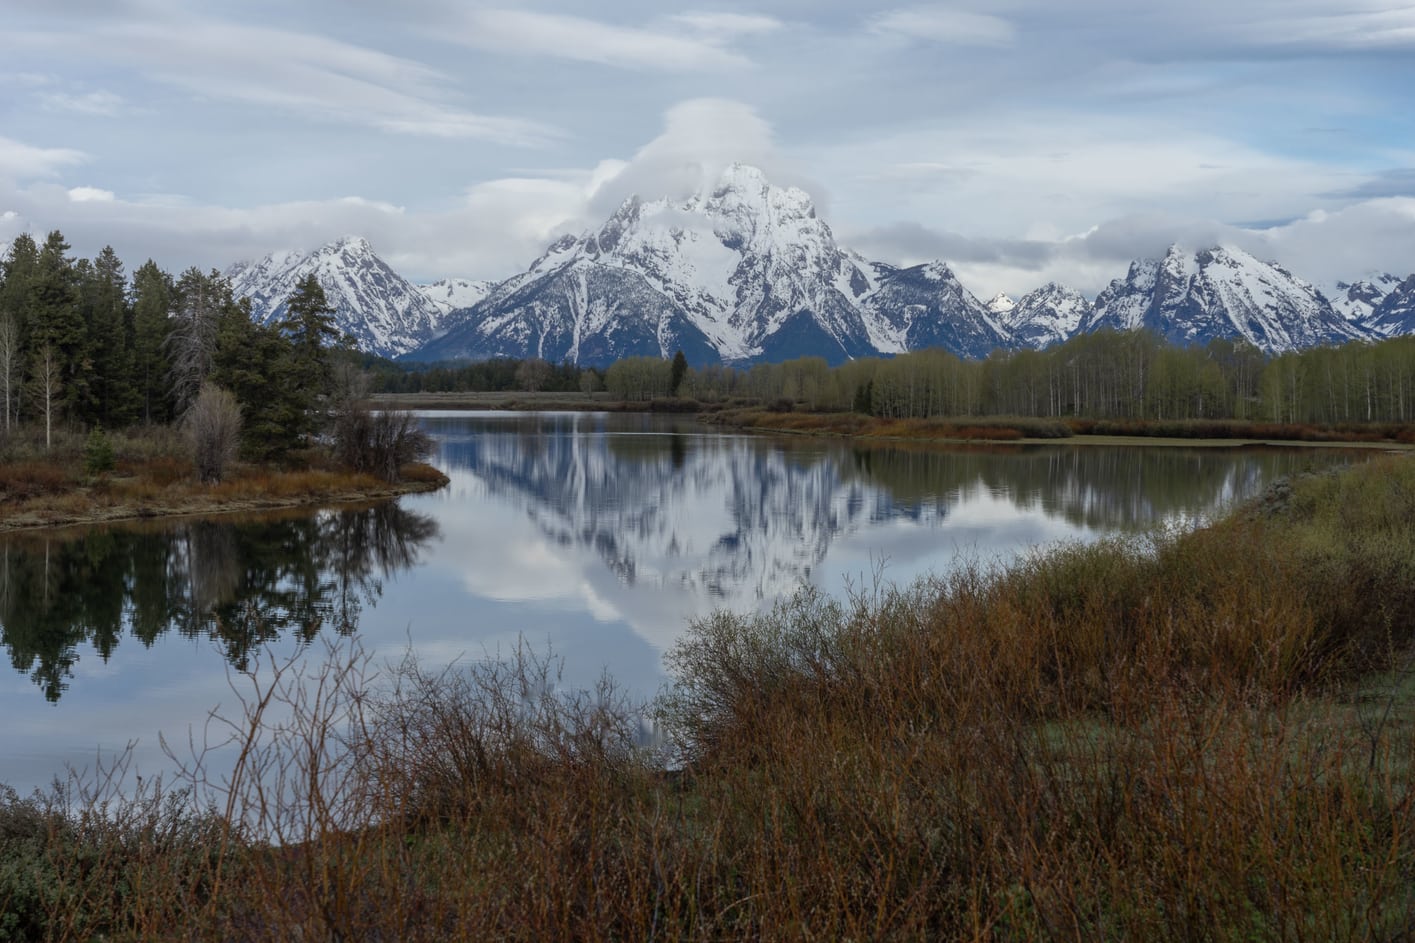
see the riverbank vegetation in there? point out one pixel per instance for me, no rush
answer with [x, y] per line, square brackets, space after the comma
[1196, 735]
[111, 392]
[1103, 377]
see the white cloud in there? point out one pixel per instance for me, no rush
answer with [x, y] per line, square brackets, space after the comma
[700, 139]
[1348, 243]
[728, 25]
[1359, 28]
[90, 195]
[945, 25]
[302, 73]
[585, 40]
[99, 104]
[23, 161]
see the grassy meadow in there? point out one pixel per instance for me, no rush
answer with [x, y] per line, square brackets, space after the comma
[1195, 735]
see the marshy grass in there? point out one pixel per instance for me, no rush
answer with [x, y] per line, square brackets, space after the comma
[1199, 735]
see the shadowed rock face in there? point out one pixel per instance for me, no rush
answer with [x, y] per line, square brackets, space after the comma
[1395, 315]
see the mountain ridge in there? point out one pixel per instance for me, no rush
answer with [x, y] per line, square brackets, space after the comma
[743, 271]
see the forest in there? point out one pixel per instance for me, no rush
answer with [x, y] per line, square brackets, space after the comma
[80, 346]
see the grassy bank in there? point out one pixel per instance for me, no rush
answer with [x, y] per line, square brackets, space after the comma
[1023, 428]
[1203, 735]
[151, 475]
[520, 401]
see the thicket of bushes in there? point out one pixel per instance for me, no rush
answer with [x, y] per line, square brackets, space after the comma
[1201, 735]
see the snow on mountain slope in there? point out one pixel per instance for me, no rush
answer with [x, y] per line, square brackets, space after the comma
[1395, 315]
[382, 311]
[741, 271]
[1356, 300]
[450, 294]
[1046, 316]
[926, 306]
[1000, 305]
[1223, 291]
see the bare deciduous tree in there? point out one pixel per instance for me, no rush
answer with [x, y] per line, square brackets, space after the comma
[9, 361]
[192, 341]
[47, 384]
[533, 373]
[213, 424]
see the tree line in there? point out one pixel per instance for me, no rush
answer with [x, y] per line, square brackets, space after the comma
[81, 343]
[1107, 375]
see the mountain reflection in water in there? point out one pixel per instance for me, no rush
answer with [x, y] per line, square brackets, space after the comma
[597, 537]
[240, 583]
[731, 521]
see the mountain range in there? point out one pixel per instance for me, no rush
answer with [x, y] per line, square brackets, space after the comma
[745, 271]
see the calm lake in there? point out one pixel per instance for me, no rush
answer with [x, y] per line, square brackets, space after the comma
[597, 536]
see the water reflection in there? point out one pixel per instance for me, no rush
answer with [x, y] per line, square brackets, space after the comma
[238, 583]
[596, 537]
[726, 520]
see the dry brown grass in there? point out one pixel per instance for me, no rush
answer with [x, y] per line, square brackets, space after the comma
[153, 476]
[1173, 739]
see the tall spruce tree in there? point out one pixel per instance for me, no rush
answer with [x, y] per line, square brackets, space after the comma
[154, 299]
[56, 323]
[17, 271]
[109, 321]
[309, 323]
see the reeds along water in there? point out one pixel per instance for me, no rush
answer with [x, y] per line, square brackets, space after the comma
[1204, 735]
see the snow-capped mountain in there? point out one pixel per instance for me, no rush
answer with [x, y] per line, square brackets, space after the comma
[1356, 300]
[1000, 305]
[382, 311]
[449, 294]
[740, 271]
[1396, 313]
[927, 306]
[1046, 316]
[1220, 292]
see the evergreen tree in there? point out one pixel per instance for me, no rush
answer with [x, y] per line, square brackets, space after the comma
[258, 364]
[109, 321]
[154, 298]
[680, 370]
[309, 324]
[56, 323]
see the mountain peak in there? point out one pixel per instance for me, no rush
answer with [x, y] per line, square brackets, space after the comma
[1222, 291]
[356, 244]
[373, 304]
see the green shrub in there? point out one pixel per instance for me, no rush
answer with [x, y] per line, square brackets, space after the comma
[98, 453]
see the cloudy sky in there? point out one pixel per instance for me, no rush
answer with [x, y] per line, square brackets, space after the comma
[1021, 140]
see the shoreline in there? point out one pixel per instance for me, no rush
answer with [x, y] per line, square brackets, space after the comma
[1000, 431]
[341, 490]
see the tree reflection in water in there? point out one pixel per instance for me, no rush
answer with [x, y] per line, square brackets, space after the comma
[241, 583]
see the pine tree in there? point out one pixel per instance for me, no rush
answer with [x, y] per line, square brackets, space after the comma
[154, 298]
[680, 370]
[309, 323]
[109, 321]
[56, 323]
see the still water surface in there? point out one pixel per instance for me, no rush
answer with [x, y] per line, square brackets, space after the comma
[598, 536]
